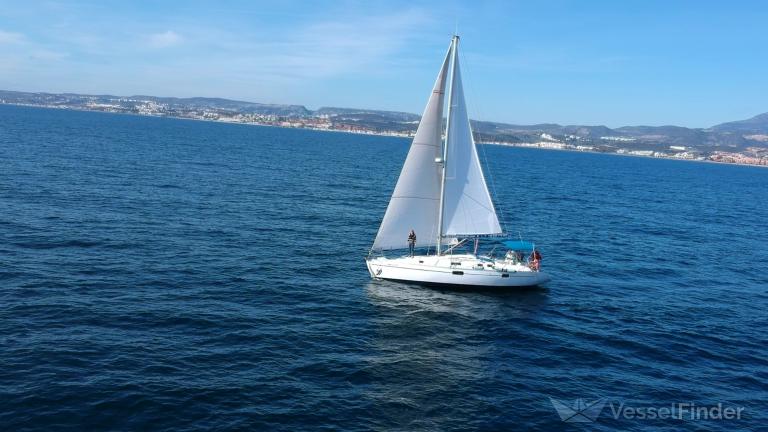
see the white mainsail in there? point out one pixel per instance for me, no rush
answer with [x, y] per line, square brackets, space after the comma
[468, 208]
[415, 200]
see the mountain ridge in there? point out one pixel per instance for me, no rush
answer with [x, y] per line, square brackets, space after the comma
[733, 135]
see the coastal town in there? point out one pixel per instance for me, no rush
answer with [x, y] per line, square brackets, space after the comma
[746, 149]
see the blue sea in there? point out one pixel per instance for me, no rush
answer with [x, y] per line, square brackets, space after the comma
[170, 275]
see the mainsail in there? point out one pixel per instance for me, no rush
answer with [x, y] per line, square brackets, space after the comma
[415, 200]
[467, 208]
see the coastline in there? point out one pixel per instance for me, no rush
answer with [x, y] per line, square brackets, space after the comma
[629, 155]
[535, 146]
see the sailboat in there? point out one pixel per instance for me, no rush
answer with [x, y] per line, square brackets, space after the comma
[442, 196]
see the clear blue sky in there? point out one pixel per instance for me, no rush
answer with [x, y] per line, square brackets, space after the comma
[690, 63]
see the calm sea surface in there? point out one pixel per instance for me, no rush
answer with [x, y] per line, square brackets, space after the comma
[161, 274]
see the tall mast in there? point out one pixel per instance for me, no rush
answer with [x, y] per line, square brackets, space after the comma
[454, 46]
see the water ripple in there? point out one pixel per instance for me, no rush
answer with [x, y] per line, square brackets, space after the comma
[176, 276]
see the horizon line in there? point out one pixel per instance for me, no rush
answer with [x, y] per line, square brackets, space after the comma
[377, 109]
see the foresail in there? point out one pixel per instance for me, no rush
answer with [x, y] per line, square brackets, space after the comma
[468, 208]
[415, 200]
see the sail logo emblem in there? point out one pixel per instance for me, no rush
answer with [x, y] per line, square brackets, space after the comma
[580, 411]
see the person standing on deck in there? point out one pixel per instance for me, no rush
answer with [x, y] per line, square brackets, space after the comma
[535, 260]
[411, 242]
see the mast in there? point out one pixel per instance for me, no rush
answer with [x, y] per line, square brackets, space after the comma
[454, 46]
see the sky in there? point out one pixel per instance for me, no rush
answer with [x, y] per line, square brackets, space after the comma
[614, 63]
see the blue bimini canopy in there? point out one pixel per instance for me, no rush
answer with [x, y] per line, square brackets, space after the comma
[519, 245]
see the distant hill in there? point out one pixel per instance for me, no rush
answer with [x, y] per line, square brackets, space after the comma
[537, 129]
[227, 104]
[675, 135]
[350, 112]
[755, 125]
[634, 137]
[730, 136]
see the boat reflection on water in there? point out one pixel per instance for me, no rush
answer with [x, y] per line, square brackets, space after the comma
[476, 301]
[431, 348]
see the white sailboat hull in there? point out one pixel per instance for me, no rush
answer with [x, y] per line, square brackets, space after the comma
[456, 270]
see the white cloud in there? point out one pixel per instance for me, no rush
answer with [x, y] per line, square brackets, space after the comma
[10, 37]
[166, 39]
[344, 45]
[20, 48]
[334, 47]
[287, 62]
[48, 55]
